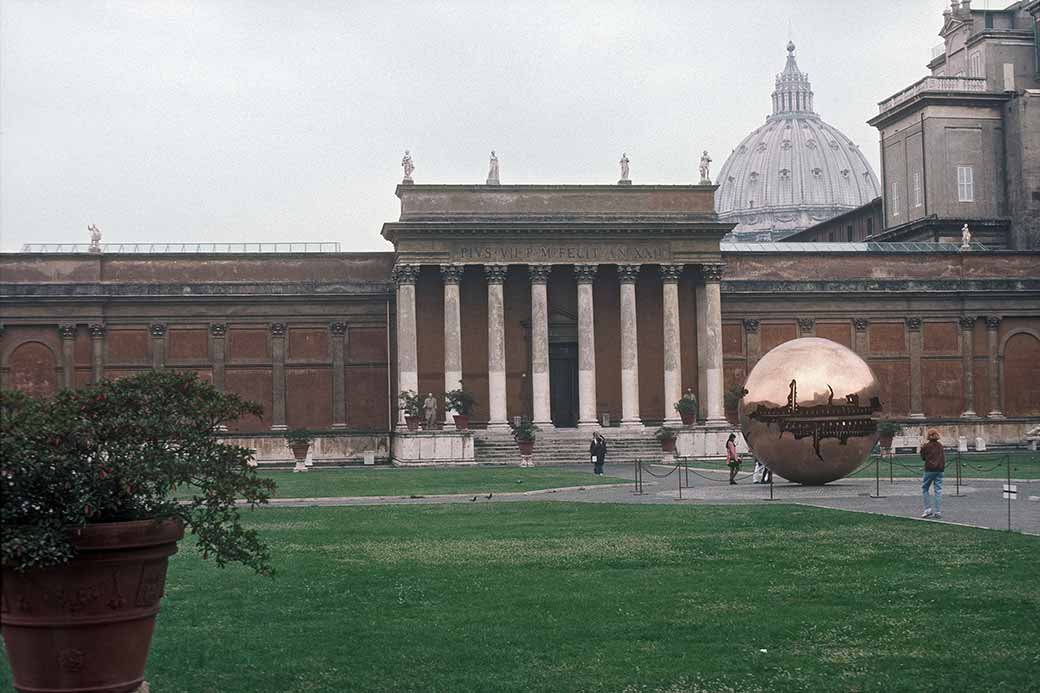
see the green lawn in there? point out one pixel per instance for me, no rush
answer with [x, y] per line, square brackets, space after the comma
[327, 483]
[589, 597]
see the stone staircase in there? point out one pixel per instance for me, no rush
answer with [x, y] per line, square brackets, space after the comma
[567, 446]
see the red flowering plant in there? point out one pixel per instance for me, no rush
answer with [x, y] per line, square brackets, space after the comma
[121, 450]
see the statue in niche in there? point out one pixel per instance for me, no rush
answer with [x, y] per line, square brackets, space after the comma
[624, 167]
[705, 163]
[492, 178]
[430, 410]
[408, 166]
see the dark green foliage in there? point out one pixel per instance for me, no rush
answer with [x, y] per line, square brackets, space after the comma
[117, 451]
[664, 433]
[889, 428]
[410, 402]
[686, 405]
[524, 432]
[299, 435]
[460, 401]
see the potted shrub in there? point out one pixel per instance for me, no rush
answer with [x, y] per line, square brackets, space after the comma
[524, 434]
[666, 437]
[299, 440]
[462, 403]
[91, 512]
[687, 408]
[888, 430]
[411, 405]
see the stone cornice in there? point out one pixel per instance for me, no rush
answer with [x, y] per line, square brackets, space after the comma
[701, 227]
[199, 290]
[937, 98]
[882, 286]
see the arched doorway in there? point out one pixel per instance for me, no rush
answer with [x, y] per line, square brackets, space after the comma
[33, 370]
[1022, 375]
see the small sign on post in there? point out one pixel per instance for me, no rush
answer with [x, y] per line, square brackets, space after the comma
[1011, 491]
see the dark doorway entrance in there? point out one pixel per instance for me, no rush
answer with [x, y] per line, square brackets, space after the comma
[563, 384]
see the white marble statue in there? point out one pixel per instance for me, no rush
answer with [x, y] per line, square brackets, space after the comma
[408, 166]
[492, 178]
[965, 237]
[705, 163]
[95, 238]
[624, 166]
[430, 410]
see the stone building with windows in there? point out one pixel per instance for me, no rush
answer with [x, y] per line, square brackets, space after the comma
[962, 145]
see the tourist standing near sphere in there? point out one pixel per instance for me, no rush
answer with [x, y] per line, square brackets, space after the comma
[934, 466]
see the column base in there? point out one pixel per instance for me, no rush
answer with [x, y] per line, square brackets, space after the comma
[545, 425]
[673, 421]
[589, 424]
[969, 415]
[719, 423]
[498, 426]
[339, 426]
[632, 424]
[917, 415]
[279, 427]
[995, 414]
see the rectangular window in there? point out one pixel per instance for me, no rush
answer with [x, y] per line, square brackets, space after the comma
[988, 20]
[975, 65]
[870, 227]
[918, 197]
[895, 198]
[848, 233]
[965, 184]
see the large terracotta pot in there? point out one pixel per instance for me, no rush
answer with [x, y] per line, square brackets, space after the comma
[668, 445]
[886, 442]
[299, 450]
[688, 418]
[526, 446]
[461, 422]
[412, 422]
[87, 625]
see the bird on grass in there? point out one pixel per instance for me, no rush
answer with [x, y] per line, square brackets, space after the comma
[489, 495]
[473, 499]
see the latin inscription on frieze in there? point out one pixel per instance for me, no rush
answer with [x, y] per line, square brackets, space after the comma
[562, 252]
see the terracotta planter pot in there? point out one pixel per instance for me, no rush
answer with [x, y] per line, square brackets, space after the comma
[688, 418]
[461, 422]
[412, 422]
[87, 625]
[526, 446]
[299, 450]
[886, 442]
[668, 445]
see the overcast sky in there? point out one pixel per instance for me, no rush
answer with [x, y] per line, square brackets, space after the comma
[218, 121]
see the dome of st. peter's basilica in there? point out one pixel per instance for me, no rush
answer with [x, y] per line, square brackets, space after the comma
[794, 171]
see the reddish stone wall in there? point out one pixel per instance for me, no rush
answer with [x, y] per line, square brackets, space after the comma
[1022, 375]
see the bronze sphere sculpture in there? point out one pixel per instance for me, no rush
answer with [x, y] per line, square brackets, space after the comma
[808, 410]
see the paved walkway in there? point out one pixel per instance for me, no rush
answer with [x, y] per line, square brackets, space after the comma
[980, 503]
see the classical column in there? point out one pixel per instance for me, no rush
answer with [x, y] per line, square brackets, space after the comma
[992, 326]
[540, 345]
[700, 300]
[97, 352]
[278, 330]
[452, 274]
[68, 353]
[968, 366]
[712, 350]
[217, 330]
[338, 331]
[672, 341]
[586, 347]
[627, 275]
[806, 327]
[158, 332]
[913, 326]
[754, 342]
[496, 276]
[860, 339]
[407, 351]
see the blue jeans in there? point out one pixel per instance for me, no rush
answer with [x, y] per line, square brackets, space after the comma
[597, 467]
[932, 478]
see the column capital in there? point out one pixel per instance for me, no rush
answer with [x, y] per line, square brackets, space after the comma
[67, 331]
[495, 274]
[337, 327]
[913, 324]
[967, 322]
[405, 274]
[157, 329]
[860, 324]
[751, 326]
[97, 330]
[278, 329]
[452, 274]
[218, 329]
[806, 324]
[712, 271]
[539, 274]
[992, 322]
[670, 273]
[586, 273]
[627, 274]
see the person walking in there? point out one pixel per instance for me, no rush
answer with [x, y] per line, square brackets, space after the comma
[598, 453]
[732, 458]
[934, 466]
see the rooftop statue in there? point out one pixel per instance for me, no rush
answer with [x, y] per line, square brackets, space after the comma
[705, 163]
[95, 239]
[492, 178]
[624, 168]
[408, 166]
[965, 237]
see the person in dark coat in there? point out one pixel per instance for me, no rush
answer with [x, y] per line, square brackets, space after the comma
[598, 453]
[934, 466]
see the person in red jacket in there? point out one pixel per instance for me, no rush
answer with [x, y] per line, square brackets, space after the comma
[934, 466]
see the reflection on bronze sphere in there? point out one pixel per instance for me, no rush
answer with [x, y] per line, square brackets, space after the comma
[808, 410]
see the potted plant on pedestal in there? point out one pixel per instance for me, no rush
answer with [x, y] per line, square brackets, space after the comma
[687, 408]
[299, 441]
[666, 437]
[888, 430]
[462, 403]
[524, 434]
[99, 484]
[411, 405]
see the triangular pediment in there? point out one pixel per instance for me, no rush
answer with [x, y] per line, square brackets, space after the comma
[950, 25]
[562, 317]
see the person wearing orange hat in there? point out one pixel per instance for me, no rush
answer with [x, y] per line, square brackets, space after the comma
[934, 466]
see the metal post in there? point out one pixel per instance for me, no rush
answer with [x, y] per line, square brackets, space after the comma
[891, 480]
[1007, 458]
[635, 476]
[678, 481]
[958, 477]
[877, 478]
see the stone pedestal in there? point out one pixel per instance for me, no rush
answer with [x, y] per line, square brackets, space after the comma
[962, 444]
[429, 448]
[707, 441]
[980, 444]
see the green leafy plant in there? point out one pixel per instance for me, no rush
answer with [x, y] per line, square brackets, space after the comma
[460, 401]
[664, 434]
[410, 402]
[299, 436]
[524, 432]
[733, 396]
[889, 428]
[687, 405]
[118, 451]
